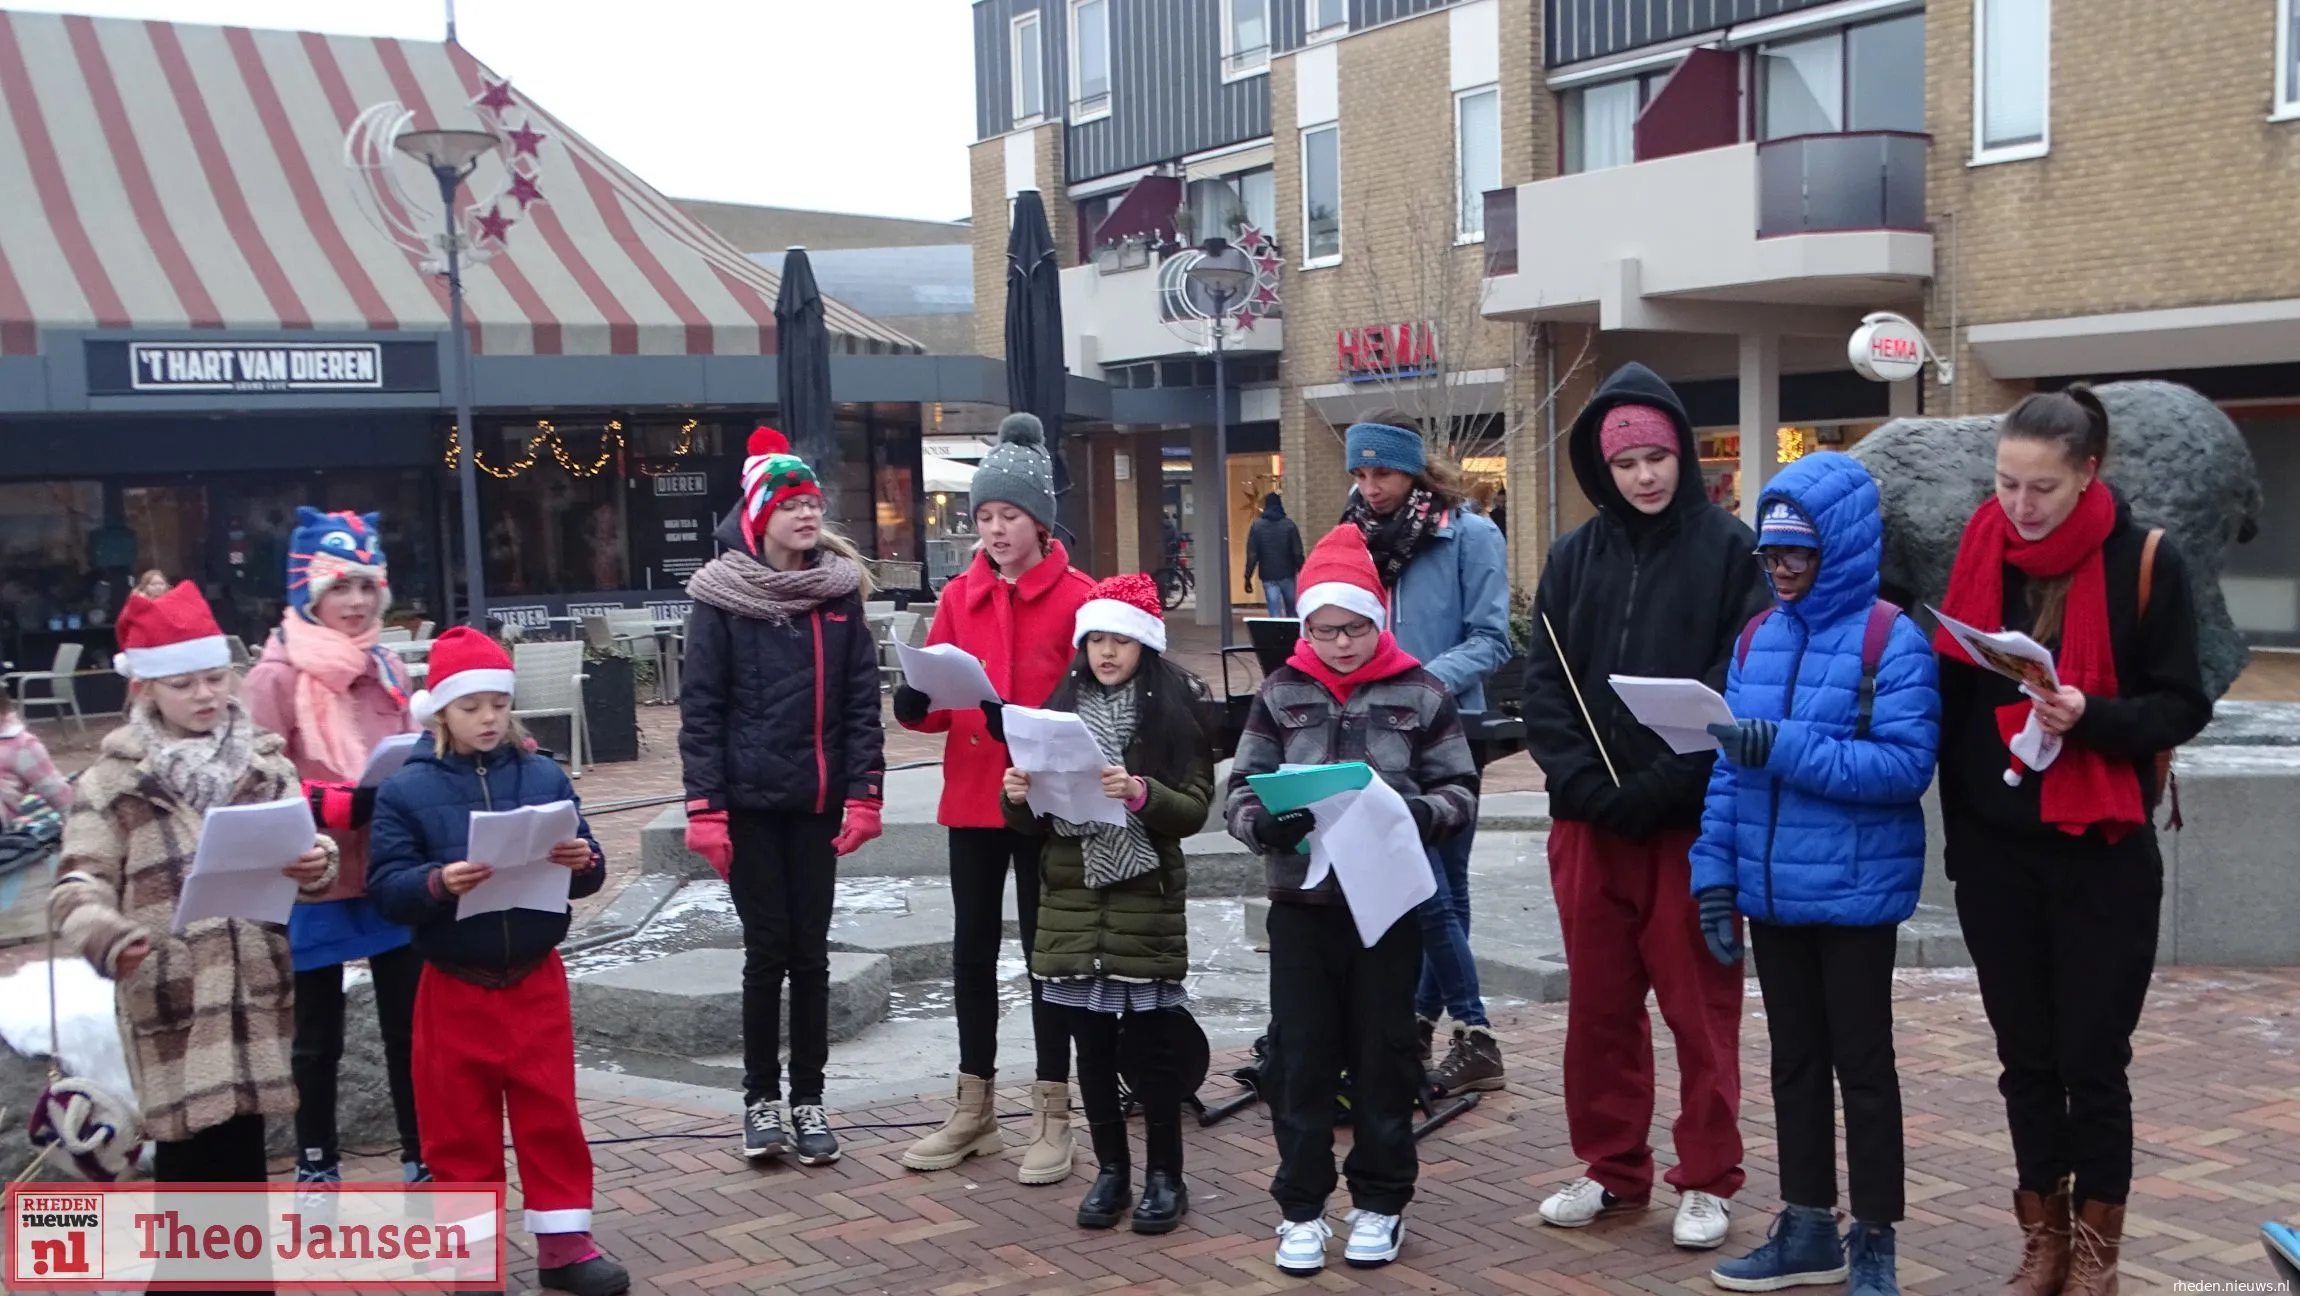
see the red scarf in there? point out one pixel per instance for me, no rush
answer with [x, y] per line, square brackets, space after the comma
[2082, 787]
[1388, 660]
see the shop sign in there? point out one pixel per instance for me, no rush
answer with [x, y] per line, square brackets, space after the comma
[527, 616]
[1887, 348]
[1379, 351]
[670, 611]
[682, 483]
[193, 368]
[581, 610]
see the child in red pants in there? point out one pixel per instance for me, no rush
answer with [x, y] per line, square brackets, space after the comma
[492, 1027]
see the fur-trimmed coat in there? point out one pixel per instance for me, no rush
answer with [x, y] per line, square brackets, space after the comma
[209, 1015]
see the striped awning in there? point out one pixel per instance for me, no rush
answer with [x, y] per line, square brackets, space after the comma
[159, 175]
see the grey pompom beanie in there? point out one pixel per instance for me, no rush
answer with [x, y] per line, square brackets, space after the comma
[1018, 470]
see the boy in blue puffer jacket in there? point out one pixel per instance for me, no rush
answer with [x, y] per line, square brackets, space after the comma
[1813, 830]
[493, 1026]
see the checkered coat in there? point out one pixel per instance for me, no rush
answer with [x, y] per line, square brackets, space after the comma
[208, 1016]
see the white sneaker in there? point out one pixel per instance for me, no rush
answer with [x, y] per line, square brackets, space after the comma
[1374, 1239]
[1702, 1219]
[1580, 1204]
[1302, 1246]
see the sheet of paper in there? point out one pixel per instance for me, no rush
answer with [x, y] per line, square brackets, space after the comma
[1368, 841]
[949, 676]
[1064, 762]
[1680, 710]
[517, 844]
[1291, 789]
[387, 757]
[2007, 652]
[236, 872]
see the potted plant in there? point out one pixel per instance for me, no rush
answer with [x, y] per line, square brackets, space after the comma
[611, 682]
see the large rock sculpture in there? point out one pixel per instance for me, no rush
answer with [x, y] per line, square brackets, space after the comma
[2172, 453]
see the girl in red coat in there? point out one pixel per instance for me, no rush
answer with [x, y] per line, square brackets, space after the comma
[1012, 608]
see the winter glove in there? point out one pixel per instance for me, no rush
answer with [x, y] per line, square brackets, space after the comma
[1614, 810]
[994, 719]
[910, 706]
[1747, 743]
[1282, 832]
[707, 837]
[1425, 819]
[339, 806]
[861, 825]
[1720, 925]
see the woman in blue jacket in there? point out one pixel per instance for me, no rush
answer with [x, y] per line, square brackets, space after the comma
[1814, 831]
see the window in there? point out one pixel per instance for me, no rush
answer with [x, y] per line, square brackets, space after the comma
[1601, 122]
[1245, 38]
[1321, 196]
[1221, 206]
[1029, 71]
[1477, 156]
[1089, 59]
[1258, 191]
[1865, 78]
[2012, 78]
[2287, 59]
[1328, 16]
[1802, 87]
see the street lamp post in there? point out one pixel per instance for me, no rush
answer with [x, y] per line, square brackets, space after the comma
[452, 155]
[1222, 272]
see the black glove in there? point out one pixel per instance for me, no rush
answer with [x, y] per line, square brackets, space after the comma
[1425, 819]
[994, 719]
[1720, 929]
[910, 706]
[1746, 743]
[1614, 810]
[1282, 832]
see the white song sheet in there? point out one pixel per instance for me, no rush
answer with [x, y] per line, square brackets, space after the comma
[1680, 710]
[2025, 662]
[1065, 764]
[949, 676]
[1367, 839]
[387, 757]
[517, 845]
[237, 872]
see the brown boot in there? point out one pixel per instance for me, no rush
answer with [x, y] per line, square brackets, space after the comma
[2044, 1225]
[2099, 1235]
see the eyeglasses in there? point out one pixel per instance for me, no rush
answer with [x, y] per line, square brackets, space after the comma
[1358, 629]
[1787, 562]
[800, 504]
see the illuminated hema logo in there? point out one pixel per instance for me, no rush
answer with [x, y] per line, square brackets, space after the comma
[174, 1237]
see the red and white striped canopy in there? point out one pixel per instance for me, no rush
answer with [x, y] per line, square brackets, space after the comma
[160, 175]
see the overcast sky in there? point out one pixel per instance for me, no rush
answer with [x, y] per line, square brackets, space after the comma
[694, 95]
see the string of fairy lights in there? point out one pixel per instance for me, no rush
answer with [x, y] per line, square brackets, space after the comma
[549, 439]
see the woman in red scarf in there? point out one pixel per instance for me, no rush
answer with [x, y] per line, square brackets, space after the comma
[2058, 879]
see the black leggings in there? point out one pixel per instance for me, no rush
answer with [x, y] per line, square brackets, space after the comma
[979, 859]
[1142, 1044]
[318, 1051]
[784, 882]
[232, 1152]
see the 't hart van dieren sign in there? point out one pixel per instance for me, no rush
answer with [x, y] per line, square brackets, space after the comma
[194, 368]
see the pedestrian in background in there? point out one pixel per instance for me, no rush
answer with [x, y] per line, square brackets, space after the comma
[1012, 609]
[2058, 878]
[1814, 831]
[1658, 583]
[783, 755]
[1274, 549]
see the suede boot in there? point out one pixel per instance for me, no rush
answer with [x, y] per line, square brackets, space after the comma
[2095, 1241]
[1052, 1148]
[2045, 1222]
[1113, 1189]
[972, 1130]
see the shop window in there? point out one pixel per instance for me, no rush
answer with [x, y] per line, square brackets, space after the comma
[1321, 196]
[1029, 64]
[1245, 38]
[1477, 157]
[171, 527]
[1089, 59]
[2012, 79]
[554, 514]
[50, 569]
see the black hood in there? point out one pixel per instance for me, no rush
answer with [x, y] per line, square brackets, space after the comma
[730, 531]
[1273, 508]
[1634, 384]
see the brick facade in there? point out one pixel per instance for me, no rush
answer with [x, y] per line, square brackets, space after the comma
[988, 166]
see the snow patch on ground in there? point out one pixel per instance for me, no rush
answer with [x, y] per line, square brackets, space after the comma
[85, 1022]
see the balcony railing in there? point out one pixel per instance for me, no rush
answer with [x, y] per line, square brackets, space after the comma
[1500, 232]
[1865, 180]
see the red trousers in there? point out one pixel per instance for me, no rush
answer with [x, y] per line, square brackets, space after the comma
[1631, 925]
[480, 1051]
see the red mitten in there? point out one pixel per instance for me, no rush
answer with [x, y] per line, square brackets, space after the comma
[343, 807]
[862, 825]
[707, 836]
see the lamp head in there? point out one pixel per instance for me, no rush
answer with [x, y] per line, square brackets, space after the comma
[452, 150]
[1221, 270]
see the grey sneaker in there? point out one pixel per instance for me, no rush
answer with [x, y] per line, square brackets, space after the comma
[763, 1135]
[815, 1143]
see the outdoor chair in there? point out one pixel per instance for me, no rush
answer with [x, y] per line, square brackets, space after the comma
[598, 634]
[423, 631]
[63, 695]
[395, 634]
[242, 659]
[548, 683]
[634, 628]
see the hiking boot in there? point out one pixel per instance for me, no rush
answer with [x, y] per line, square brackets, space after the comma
[1426, 1028]
[972, 1130]
[1802, 1250]
[1053, 1147]
[1472, 1064]
[1582, 1203]
[1113, 1189]
[1869, 1255]
[2094, 1241]
[764, 1136]
[2045, 1224]
[811, 1135]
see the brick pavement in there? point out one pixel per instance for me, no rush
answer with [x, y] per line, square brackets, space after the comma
[2216, 1082]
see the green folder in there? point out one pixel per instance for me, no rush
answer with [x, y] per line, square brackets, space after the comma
[1293, 789]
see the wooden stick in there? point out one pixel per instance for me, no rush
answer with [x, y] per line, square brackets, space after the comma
[1567, 667]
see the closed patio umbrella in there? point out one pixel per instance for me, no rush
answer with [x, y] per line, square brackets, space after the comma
[803, 370]
[1035, 377]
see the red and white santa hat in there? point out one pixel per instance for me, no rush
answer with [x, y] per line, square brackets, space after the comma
[463, 662]
[174, 634]
[1339, 572]
[1123, 605]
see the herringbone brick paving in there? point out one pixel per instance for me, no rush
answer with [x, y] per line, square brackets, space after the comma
[2216, 1081]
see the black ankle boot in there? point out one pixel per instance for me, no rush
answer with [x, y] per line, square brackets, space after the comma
[1113, 1189]
[1165, 1198]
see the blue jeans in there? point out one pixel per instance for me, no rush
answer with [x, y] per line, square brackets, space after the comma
[1449, 974]
[1278, 595]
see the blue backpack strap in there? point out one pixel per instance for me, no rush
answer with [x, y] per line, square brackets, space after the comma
[1874, 636]
[1748, 633]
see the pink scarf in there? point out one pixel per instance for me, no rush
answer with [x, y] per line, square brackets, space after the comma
[327, 662]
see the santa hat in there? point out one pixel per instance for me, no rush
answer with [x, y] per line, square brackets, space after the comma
[463, 662]
[1123, 605]
[771, 475]
[1340, 573]
[174, 634]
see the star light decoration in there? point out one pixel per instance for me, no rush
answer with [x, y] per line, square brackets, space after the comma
[1261, 301]
[488, 221]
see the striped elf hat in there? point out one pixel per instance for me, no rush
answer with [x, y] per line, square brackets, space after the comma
[771, 475]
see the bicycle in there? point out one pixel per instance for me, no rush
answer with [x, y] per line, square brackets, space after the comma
[1175, 580]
